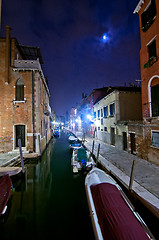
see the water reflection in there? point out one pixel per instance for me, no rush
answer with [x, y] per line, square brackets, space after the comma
[49, 200]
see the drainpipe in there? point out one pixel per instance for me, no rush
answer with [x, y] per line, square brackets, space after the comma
[33, 110]
[7, 54]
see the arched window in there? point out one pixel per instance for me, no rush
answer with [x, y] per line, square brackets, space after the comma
[19, 90]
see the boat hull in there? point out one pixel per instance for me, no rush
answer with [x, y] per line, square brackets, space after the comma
[102, 192]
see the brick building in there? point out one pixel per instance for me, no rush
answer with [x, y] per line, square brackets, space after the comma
[24, 98]
[113, 113]
[147, 140]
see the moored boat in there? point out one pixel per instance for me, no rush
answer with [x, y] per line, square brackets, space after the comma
[81, 160]
[5, 188]
[72, 138]
[11, 171]
[112, 214]
[76, 144]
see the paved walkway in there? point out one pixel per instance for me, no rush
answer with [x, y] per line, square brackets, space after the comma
[146, 175]
[6, 158]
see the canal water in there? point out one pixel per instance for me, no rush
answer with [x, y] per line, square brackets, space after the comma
[50, 203]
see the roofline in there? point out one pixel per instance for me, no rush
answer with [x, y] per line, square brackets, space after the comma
[138, 7]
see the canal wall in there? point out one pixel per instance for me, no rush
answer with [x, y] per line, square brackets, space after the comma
[119, 164]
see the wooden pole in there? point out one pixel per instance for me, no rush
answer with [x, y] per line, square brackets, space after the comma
[132, 175]
[98, 154]
[91, 153]
[21, 155]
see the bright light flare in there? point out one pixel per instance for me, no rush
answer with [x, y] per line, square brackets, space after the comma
[105, 37]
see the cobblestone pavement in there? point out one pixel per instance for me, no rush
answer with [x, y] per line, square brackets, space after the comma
[145, 173]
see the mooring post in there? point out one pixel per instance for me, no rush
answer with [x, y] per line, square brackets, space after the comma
[91, 153]
[98, 154]
[132, 175]
[93, 147]
[21, 155]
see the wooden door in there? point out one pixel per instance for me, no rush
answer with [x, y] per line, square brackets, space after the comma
[112, 136]
[133, 143]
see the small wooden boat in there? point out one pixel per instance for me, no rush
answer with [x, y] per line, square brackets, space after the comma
[11, 171]
[72, 138]
[76, 144]
[81, 160]
[112, 214]
[5, 188]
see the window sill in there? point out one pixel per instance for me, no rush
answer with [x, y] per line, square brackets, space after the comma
[15, 101]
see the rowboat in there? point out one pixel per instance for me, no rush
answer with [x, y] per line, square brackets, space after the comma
[11, 171]
[112, 214]
[5, 188]
[76, 144]
[72, 138]
[81, 160]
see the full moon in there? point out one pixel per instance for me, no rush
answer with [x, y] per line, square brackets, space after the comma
[105, 37]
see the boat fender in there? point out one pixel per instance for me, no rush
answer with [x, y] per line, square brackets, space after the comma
[84, 164]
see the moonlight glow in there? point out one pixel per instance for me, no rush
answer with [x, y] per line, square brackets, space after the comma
[105, 37]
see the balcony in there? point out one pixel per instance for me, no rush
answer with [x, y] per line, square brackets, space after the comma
[151, 109]
[150, 62]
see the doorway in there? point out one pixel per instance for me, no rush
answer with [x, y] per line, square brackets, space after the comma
[124, 141]
[132, 143]
[112, 132]
[20, 134]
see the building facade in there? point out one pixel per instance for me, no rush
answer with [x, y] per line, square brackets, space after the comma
[85, 110]
[113, 113]
[24, 98]
[148, 132]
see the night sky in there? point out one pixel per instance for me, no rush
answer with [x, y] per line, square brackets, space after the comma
[77, 58]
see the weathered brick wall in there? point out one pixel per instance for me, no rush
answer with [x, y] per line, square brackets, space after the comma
[146, 38]
[13, 112]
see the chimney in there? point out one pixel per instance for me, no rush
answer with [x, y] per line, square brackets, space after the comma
[7, 54]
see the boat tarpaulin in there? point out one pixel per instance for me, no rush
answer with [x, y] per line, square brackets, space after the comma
[5, 188]
[81, 154]
[115, 218]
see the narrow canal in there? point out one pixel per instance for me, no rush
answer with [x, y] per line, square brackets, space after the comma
[50, 202]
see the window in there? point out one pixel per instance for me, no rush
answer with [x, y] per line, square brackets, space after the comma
[101, 121]
[152, 54]
[148, 16]
[105, 109]
[152, 49]
[101, 112]
[105, 129]
[98, 128]
[112, 109]
[98, 113]
[95, 115]
[19, 90]
[155, 139]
